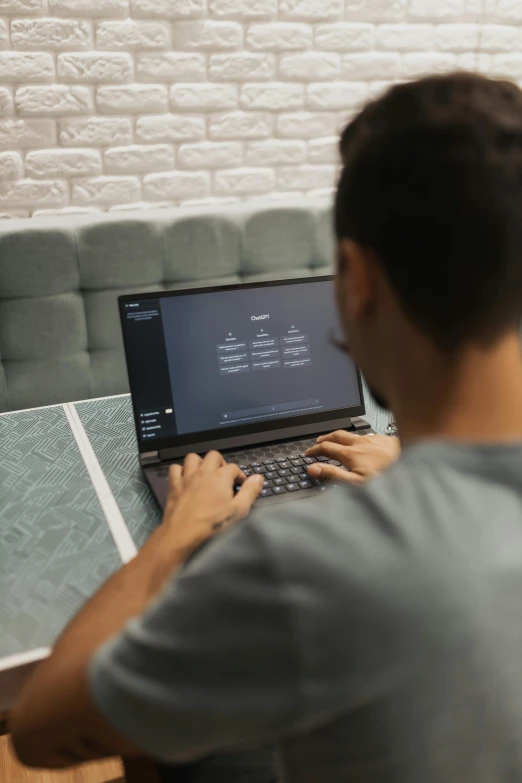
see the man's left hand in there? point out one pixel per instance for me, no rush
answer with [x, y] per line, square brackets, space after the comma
[202, 499]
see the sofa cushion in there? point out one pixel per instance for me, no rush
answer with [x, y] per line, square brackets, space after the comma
[60, 278]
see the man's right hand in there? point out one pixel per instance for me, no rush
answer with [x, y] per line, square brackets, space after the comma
[365, 457]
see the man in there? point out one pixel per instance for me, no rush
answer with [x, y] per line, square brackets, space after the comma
[373, 634]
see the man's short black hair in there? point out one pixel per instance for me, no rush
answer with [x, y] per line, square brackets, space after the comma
[432, 183]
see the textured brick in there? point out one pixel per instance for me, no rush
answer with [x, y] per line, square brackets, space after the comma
[8, 214]
[210, 155]
[170, 127]
[139, 158]
[203, 97]
[451, 10]
[336, 95]
[345, 37]
[4, 35]
[376, 89]
[421, 63]
[368, 66]
[306, 177]
[207, 35]
[377, 10]
[140, 205]
[272, 97]
[457, 37]
[504, 10]
[56, 99]
[311, 9]
[98, 131]
[324, 150]
[507, 66]
[26, 134]
[6, 102]
[62, 163]
[132, 98]
[243, 9]
[275, 152]
[501, 38]
[90, 8]
[67, 211]
[241, 125]
[242, 182]
[481, 62]
[51, 34]
[242, 66]
[168, 9]
[310, 66]
[16, 7]
[306, 125]
[406, 37]
[28, 193]
[11, 167]
[279, 36]
[22, 66]
[103, 191]
[176, 185]
[133, 35]
[95, 67]
[171, 66]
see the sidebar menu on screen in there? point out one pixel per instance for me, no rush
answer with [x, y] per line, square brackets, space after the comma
[148, 369]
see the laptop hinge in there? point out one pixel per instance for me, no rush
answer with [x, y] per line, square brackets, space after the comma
[149, 458]
[360, 424]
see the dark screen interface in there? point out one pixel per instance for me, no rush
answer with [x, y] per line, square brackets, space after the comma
[209, 361]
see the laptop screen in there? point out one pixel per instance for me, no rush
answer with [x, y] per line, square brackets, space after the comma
[217, 359]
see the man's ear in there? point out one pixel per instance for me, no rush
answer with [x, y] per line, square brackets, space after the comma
[356, 278]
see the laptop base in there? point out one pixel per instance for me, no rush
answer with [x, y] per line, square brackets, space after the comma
[283, 465]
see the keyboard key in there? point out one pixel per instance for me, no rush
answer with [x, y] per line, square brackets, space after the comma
[305, 484]
[284, 465]
[247, 471]
[310, 460]
[334, 462]
[317, 483]
[268, 462]
[265, 493]
[284, 473]
[322, 459]
[272, 474]
[244, 467]
[292, 487]
[268, 484]
[260, 471]
[279, 490]
[297, 463]
[280, 482]
[281, 459]
[255, 465]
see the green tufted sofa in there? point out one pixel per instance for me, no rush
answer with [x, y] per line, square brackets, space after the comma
[60, 278]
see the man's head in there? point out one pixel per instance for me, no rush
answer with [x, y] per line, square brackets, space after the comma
[429, 219]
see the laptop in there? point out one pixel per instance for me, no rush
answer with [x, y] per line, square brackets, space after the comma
[250, 370]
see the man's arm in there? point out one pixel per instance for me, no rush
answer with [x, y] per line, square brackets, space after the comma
[55, 722]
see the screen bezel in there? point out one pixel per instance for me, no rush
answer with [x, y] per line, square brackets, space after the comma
[268, 430]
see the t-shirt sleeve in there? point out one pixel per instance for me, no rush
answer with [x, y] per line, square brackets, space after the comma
[211, 664]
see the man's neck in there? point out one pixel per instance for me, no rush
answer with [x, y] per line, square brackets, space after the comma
[476, 397]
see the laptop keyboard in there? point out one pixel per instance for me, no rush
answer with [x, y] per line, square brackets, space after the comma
[284, 467]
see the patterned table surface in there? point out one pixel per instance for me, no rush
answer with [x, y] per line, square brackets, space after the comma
[56, 545]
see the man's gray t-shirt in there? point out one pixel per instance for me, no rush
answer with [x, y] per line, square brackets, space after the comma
[373, 634]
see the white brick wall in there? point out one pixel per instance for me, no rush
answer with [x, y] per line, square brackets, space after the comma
[108, 104]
